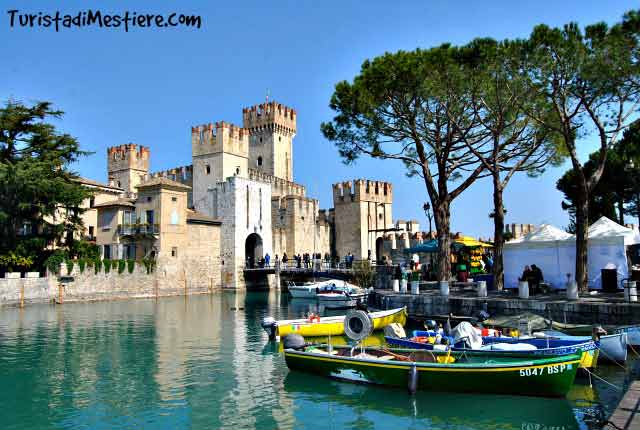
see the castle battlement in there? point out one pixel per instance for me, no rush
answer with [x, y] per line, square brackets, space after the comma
[270, 115]
[182, 174]
[219, 137]
[128, 156]
[363, 190]
[279, 186]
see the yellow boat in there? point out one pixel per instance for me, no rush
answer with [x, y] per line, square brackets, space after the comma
[334, 326]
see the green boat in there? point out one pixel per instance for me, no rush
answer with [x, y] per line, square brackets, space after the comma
[550, 376]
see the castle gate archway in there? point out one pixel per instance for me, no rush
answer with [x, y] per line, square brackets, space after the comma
[253, 250]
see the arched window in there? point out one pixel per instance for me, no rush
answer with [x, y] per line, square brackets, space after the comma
[207, 169]
[259, 161]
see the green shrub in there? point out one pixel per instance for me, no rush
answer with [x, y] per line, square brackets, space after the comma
[131, 264]
[149, 264]
[82, 262]
[54, 261]
[97, 265]
[107, 265]
[121, 266]
[69, 266]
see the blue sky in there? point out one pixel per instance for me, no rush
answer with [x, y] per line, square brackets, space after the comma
[149, 86]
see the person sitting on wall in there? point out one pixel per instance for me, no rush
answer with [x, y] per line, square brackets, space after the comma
[526, 275]
[536, 279]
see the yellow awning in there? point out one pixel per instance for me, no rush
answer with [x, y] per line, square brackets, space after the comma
[471, 242]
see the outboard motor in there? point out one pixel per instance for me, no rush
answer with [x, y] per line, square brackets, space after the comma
[430, 325]
[269, 325]
[293, 341]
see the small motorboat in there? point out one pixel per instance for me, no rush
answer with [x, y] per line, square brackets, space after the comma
[325, 290]
[438, 371]
[505, 346]
[315, 325]
[340, 296]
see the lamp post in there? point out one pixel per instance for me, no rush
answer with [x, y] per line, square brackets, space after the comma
[427, 211]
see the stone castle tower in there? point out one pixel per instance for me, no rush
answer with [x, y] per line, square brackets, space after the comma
[219, 151]
[362, 214]
[127, 165]
[272, 127]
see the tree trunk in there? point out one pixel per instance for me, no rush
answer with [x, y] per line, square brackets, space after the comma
[498, 234]
[621, 211]
[442, 218]
[582, 242]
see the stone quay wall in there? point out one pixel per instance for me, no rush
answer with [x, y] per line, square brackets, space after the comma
[90, 286]
[560, 310]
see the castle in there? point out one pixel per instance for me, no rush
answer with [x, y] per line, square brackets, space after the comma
[239, 191]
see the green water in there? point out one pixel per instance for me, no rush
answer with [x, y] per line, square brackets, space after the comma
[204, 362]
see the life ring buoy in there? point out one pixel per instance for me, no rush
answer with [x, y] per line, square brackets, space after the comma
[358, 325]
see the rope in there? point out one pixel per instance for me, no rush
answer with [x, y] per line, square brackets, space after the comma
[603, 380]
[611, 358]
[633, 350]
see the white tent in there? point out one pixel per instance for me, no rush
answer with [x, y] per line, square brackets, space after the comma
[607, 249]
[554, 252]
[549, 248]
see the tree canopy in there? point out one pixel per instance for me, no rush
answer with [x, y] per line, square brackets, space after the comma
[40, 198]
[413, 107]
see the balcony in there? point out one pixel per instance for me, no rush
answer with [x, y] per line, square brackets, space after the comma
[138, 229]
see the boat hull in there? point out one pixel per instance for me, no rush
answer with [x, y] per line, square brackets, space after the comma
[551, 377]
[302, 292]
[588, 350]
[633, 335]
[334, 326]
[613, 347]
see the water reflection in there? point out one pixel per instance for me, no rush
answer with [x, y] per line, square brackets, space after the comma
[346, 405]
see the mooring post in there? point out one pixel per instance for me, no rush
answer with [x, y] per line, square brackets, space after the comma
[22, 294]
[277, 273]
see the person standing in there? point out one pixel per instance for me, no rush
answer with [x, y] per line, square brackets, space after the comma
[285, 259]
[267, 260]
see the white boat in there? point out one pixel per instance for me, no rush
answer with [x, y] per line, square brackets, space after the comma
[633, 334]
[342, 296]
[310, 290]
[613, 347]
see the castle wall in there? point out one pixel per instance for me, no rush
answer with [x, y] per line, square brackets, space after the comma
[362, 214]
[279, 187]
[244, 206]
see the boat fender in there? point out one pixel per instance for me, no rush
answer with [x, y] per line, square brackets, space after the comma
[358, 325]
[412, 383]
[293, 341]
[269, 325]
